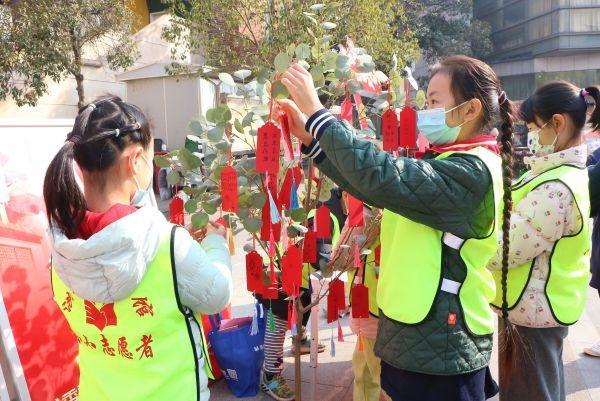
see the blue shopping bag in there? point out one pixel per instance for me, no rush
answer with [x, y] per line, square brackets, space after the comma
[240, 353]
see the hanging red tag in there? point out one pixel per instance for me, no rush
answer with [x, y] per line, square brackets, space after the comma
[268, 147]
[378, 255]
[176, 211]
[355, 212]
[229, 189]
[389, 130]
[288, 150]
[309, 251]
[360, 301]
[270, 291]
[254, 271]
[323, 222]
[286, 187]
[332, 311]
[291, 271]
[408, 127]
[346, 110]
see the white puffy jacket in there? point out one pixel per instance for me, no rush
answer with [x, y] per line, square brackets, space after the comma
[109, 265]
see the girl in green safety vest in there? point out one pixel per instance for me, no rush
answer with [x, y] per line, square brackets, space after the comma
[127, 281]
[542, 289]
[439, 228]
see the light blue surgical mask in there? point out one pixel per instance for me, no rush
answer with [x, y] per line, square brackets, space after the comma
[142, 197]
[432, 124]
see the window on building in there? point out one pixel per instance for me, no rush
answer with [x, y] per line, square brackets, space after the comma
[539, 7]
[584, 20]
[540, 27]
[514, 14]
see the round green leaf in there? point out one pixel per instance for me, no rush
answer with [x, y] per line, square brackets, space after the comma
[252, 224]
[298, 215]
[226, 79]
[173, 177]
[328, 25]
[282, 62]
[420, 99]
[302, 51]
[292, 232]
[330, 60]
[200, 220]
[263, 75]
[247, 120]
[188, 160]
[342, 61]
[243, 212]
[248, 248]
[242, 74]
[258, 199]
[191, 206]
[209, 208]
[238, 126]
[196, 127]
[304, 64]
[224, 145]
[162, 161]
[317, 7]
[291, 49]
[311, 18]
[216, 134]
[280, 91]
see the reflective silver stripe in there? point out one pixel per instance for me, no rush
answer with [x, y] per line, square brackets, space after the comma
[453, 241]
[450, 286]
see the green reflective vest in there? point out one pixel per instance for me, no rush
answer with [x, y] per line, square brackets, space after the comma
[411, 273]
[568, 274]
[307, 269]
[370, 280]
[140, 348]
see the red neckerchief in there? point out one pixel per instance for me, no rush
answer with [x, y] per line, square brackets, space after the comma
[94, 222]
[487, 141]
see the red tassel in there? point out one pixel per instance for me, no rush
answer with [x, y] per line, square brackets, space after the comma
[287, 140]
[176, 211]
[389, 130]
[229, 189]
[267, 148]
[340, 333]
[290, 315]
[357, 261]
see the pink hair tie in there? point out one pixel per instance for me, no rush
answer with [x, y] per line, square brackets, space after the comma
[584, 93]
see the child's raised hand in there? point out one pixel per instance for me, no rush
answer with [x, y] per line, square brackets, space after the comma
[296, 120]
[300, 84]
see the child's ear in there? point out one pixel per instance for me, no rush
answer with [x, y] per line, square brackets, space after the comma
[559, 123]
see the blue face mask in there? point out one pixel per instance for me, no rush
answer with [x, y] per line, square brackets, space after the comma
[432, 124]
[142, 197]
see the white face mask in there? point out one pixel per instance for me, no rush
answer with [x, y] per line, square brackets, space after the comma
[534, 145]
[143, 197]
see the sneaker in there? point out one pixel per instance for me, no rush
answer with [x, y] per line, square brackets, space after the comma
[277, 387]
[594, 350]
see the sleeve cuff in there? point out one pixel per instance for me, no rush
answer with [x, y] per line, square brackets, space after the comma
[318, 123]
[313, 151]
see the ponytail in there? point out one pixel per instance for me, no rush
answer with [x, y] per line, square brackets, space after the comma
[594, 121]
[100, 133]
[65, 203]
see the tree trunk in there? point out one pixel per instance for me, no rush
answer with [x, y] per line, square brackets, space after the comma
[76, 68]
[80, 94]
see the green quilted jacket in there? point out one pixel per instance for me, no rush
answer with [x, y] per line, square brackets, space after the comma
[451, 195]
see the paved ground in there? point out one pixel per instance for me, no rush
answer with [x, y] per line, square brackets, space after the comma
[335, 374]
